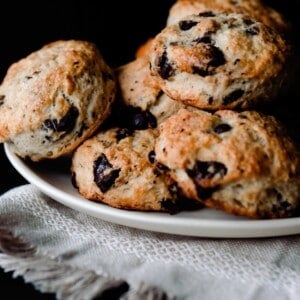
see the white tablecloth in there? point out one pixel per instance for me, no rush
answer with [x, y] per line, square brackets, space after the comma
[79, 257]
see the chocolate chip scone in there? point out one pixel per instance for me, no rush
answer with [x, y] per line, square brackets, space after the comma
[140, 92]
[256, 9]
[55, 98]
[240, 162]
[116, 167]
[220, 61]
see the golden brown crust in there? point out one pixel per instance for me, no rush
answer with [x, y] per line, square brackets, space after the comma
[114, 167]
[243, 163]
[220, 61]
[143, 50]
[254, 8]
[139, 89]
[55, 98]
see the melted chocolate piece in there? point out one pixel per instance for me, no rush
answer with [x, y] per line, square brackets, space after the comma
[217, 57]
[165, 69]
[207, 170]
[233, 96]
[252, 30]
[187, 24]
[206, 14]
[222, 128]
[204, 193]
[151, 157]
[134, 118]
[65, 124]
[122, 133]
[104, 174]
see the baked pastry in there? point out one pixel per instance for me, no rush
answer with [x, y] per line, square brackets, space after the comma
[143, 49]
[240, 162]
[115, 167]
[220, 61]
[256, 9]
[138, 90]
[55, 98]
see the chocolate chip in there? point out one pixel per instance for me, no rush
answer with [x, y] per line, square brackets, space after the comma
[206, 14]
[204, 193]
[104, 174]
[233, 96]
[201, 72]
[165, 69]
[151, 157]
[169, 205]
[207, 170]
[134, 118]
[66, 123]
[248, 22]
[187, 24]
[222, 128]
[217, 57]
[252, 30]
[144, 120]
[205, 39]
[210, 100]
[123, 133]
[214, 57]
[282, 202]
[162, 167]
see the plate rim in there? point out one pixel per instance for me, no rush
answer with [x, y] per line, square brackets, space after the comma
[156, 221]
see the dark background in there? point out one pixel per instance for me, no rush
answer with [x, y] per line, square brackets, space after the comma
[117, 27]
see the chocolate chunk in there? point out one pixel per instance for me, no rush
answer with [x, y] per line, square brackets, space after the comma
[204, 39]
[252, 30]
[222, 128]
[151, 157]
[248, 22]
[162, 167]
[169, 205]
[204, 193]
[187, 24]
[66, 123]
[104, 174]
[207, 170]
[217, 57]
[282, 202]
[206, 14]
[144, 120]
[165, 69]
[233, 96]
[201, 72]
[134, 118]
[214, 58]
[122, 133]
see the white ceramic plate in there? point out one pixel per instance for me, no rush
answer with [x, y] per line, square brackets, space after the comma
[55, 181]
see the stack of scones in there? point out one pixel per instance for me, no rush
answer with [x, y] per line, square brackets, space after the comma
[182, 126]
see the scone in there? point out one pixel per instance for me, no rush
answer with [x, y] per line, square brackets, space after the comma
[140, 92]
[240, 162]
[143, 49]
[220, 61]
[256, 9]
[116, 167]
[55, 98]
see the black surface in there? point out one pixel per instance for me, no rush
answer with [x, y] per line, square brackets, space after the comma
[117, 27]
